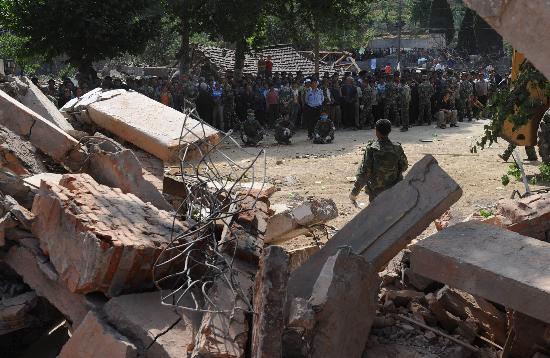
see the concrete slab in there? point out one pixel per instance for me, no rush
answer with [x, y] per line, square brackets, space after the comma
[39, 103]
[388, 224]
[149, 125]
[491, 262]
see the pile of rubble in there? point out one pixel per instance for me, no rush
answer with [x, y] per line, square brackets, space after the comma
[136, 235]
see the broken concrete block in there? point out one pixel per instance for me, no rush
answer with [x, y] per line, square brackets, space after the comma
[404, 297]
[150, 125]
[469, 256]
[529, 216]
[388, 224]
[94, 338]
[123, 170]
[25, 264]
[343, 299]
[291, 222]
[301, 314]
[14, 312]
[98, 238]
[42, 134]
[269, 301]
[300, 255]
[483, 313]
[19, 155]
[224, 331]
[162, 331]
[37, 101]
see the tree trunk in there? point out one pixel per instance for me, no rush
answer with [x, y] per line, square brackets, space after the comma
[88, 73]
[316, 50]
[240, 53]
[185, 33]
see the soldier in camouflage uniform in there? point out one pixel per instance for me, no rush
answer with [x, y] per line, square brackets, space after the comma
[283, 130]
[465, 90]
[392, 97]
[404, 102]
[228, 100]
[367, 101]
[530, 151]
[286, 98]
[425, 93]
[190, 92]
[383, 164]
[252, 131]
[324, 130]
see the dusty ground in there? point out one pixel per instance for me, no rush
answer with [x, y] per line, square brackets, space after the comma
[309, 169]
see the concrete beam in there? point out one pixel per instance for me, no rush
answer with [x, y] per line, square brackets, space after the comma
[491, 262]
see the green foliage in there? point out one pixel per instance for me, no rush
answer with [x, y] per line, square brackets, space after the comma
[515, 105]
[67, 71]
[83, 30]
[487, 39]
[13, 47]
[442, 20]
[505, 179]
[543, 177]
[466, 35]
[420, 12]
[486, 213]
[513, 171]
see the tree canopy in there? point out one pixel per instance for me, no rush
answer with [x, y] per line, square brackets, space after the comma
[85, 31]
[441, 19]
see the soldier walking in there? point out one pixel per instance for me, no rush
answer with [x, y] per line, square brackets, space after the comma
[404, 102]
[465, 90]
[383, 164]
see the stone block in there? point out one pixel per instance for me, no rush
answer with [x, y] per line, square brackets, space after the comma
[343, 299]
[487, 261]
[163, 331]
[98, 238]
[150, 125]
[269, 301]
[19, 155]
[14, 312]
[388, 224]
[94, 338]
[25, 263]
[37, 101]
[300, 255]
[288, 224]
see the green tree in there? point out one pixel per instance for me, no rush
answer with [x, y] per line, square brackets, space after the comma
[488, 40]
[466, 36]
[83, 30]
[420, 12]
[13, 47]
[441, 19]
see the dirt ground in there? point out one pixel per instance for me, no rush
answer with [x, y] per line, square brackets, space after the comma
[308, 169]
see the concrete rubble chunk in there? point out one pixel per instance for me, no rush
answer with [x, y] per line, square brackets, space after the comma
[24, 262]
[162, 331]
[14, 312]
[529, 216]
[521, 23]
[19, 155]
[300, 255]
[269, 302]
[42, 134]
[37, 101]
[388, 224]
[224, 334]
[98, 238]
[147, 124]
[122, 169]
[94, 338]
[295, 220]
[483, 313]
[487, 261]
[343, 300]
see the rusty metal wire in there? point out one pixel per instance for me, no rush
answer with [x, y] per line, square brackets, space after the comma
[217, 175]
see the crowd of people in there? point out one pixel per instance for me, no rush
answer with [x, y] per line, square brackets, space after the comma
[320, 104]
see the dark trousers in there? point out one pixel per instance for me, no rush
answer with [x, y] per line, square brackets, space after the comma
[311, 116]
[348, 114]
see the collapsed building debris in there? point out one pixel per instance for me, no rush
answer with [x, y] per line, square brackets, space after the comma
[45, 136]
[94, 243]
[388, 224]
[295, 220]
[128, 115]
